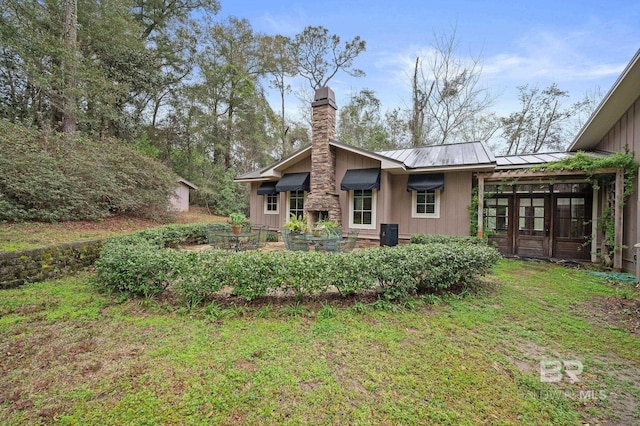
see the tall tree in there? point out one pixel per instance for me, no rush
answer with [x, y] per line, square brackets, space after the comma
[280, 65]
[319, 55]
[447, 93]
[360, 122]
[540, 123]
[231, 65]
[71, 41]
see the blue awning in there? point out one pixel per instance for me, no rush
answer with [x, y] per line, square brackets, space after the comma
[361, 179]
[267, 188]
[426, 182]
[293, 182]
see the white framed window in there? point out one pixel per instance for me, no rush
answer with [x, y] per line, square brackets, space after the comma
[425, 204]
[362, 208]
[272, 204]
[295, 203]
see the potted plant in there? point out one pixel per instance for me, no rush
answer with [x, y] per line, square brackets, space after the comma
[237, 220]
[296, 225]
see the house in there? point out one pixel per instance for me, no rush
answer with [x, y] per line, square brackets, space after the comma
[615, 127]
[429, 190]
[180, 199]
[423, 190]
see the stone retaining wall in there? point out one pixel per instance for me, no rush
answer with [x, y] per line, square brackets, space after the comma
[39, 264]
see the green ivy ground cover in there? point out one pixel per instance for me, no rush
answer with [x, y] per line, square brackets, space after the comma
[73, 355]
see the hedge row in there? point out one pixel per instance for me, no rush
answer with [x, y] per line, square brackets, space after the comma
[140, 266]
[445, 239]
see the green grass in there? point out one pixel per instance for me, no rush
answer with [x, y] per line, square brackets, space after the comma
[30, 235]
[72, 355]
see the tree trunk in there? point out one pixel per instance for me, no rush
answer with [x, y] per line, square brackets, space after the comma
[71, 40]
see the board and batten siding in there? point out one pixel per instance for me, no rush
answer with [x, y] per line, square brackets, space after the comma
[454, 203]
[256, 202]
[625, 134]
[346, 160]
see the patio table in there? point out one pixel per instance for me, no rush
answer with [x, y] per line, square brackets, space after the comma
[324, 242]
[232, 241]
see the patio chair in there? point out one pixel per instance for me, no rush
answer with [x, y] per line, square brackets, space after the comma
[252, 242]
[262, 236]
[294, 242]
[349, 243]
[219, 241]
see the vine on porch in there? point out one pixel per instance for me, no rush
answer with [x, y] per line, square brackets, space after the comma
[582, 161]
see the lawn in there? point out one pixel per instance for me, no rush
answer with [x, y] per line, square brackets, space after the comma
[73, 355]
[28, 235]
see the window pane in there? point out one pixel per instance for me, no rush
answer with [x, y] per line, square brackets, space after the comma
[366, 218]
[431, 208]
[420, 208]
[538, 224]
[421, 197]
[366, 203]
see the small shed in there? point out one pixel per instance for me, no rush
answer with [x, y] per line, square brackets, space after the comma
[180, 199]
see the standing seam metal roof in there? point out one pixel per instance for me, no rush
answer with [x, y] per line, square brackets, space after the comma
[452, 155]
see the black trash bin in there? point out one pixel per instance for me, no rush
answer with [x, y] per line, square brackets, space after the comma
[388, 234]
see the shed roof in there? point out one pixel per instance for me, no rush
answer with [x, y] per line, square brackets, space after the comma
[187, 183]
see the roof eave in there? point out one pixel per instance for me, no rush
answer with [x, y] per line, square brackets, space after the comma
[620, 97]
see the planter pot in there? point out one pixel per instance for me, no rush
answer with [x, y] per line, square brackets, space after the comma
[237, 229]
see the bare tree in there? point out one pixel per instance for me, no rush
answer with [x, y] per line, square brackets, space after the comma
[447, 94]
[540, 123]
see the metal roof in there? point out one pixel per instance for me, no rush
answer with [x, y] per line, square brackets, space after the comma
[456, 155]
[524, 160]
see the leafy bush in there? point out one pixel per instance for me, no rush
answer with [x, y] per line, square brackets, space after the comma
[136, 267]
[445, 239]
[56, 177]
[398, 272]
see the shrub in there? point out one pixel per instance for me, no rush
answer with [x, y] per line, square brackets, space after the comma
[136, 267]
[445, 239]
[57, 177]
[142, 265]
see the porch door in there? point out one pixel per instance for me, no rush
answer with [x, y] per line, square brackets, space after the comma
[532, 234]
[572, 226]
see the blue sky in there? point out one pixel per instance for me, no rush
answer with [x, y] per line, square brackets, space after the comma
[580, 45]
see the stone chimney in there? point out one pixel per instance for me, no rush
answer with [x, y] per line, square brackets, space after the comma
[323, 198]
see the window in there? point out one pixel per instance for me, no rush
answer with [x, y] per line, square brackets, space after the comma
[531, 217]
[496, 215]
[362, 209]
[571, 217]
[271, 205]
[425, 204]
[296, 203]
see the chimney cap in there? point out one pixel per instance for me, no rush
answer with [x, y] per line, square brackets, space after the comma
[324, 96]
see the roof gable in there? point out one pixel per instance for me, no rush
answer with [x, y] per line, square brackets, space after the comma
[625, 91]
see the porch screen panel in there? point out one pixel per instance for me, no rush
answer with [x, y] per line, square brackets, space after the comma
[571, 217]
[496, 215]
[531, 216]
